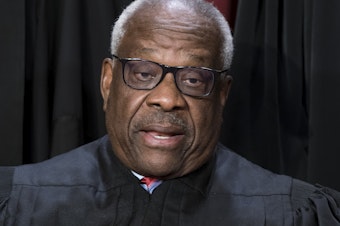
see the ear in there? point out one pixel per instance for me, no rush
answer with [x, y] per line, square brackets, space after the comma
[225, 88]
[106, 79]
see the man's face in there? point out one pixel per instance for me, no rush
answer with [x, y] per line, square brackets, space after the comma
[162, 132]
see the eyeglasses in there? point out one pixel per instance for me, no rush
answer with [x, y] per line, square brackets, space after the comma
[145, 75]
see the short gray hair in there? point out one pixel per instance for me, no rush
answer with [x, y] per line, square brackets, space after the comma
[201, 7]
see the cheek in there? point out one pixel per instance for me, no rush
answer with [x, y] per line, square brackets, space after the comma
[122, 106]
[207, 117]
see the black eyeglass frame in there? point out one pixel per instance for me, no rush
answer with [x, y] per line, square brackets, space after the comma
[170, 69]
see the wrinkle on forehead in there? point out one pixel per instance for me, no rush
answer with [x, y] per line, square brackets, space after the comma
[198, 48]
[198, 56]
[189, 31]
[174, 15]
[189, 26]
[174, 28]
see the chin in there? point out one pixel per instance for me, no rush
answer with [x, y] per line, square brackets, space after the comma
[161, 170]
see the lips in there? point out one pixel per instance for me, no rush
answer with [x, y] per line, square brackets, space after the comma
[165, 136]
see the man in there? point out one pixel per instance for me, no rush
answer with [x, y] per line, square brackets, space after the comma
[164, 91]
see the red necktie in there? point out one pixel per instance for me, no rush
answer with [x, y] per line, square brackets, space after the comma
[148, 181]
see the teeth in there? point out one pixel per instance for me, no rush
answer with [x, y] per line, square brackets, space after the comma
[162, 137]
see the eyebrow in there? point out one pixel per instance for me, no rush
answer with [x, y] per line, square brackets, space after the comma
[190, 56]
[196, 58]
[147, 50]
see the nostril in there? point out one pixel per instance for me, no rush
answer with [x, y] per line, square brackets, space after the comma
[155, 105]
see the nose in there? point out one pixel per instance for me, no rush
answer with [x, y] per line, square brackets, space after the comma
[166, 95]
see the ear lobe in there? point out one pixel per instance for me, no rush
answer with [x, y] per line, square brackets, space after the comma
[106, 79]
[225, 88]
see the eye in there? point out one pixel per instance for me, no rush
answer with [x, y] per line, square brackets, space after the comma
[144, 76]
[142, 71]
[193, 82]
[193, 78]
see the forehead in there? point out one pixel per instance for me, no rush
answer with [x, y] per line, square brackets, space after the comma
[175, 31]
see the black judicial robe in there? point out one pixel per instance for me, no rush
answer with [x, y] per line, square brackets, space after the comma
[89, 186]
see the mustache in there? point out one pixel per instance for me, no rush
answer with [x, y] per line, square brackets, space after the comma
[162, 118]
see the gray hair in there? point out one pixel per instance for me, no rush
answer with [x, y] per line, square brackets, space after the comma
[200, 6]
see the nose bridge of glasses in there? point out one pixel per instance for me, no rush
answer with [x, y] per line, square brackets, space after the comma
[173, 70]
[168, 69]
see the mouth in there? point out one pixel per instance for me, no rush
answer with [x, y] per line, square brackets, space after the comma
[162, 136]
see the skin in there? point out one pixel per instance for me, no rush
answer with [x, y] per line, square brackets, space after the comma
[162, 132]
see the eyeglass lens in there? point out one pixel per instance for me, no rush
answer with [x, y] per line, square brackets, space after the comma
[146, 75]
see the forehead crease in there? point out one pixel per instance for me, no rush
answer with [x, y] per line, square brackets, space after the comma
[172, 19]
[190, 31]
[188, 25]
[190, 55]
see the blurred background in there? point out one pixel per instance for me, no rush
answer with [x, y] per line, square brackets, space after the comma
[284, 108]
